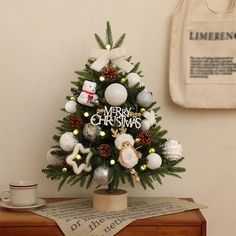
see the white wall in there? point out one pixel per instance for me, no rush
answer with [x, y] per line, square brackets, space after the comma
[43, 42]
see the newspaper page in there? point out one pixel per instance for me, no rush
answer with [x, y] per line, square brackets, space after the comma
[77, 217]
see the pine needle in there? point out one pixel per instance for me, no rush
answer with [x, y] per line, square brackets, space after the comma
[120, 41]
[109, 35]
[101, 44]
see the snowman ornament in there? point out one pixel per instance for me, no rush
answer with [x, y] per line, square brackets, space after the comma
[88, 96]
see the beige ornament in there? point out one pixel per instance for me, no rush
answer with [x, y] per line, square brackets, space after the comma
[128, 156]
[135, 114]
[173, 150]
[135, 174]
[104, 56]
[149, 121]
[70, 160]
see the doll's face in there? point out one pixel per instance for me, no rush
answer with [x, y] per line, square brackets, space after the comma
[89, 86]
[126, 144]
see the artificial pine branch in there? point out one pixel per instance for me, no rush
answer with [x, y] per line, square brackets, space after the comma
[71, 179]
[174, 163]
[56, 146]
[53, 172]
[157, 178]
[135, 69]
[129, 178]
[162, 133]
[140, 73]
[129, 58]
[76, 83]
[83, 180]
[158, 119]
[62, 182]
[120, 41]
[89, 181]
[156, 109]
[83, 74]
[56, 138]
[59, 153]
[109, 34]
[90, 61]
[101, 44]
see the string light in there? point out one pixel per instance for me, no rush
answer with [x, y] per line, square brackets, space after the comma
[137, 140]
[76, 132]
[86, 114]
[102, 133]
[152, 150]
[64, 169]
[112, 162]
[72, 98]
[101, 78]
[108, 47]
[143, 167]
[123, 80]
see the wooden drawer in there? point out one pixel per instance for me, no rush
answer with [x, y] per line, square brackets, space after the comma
[190, 223]
[30, 231]
[162, 231]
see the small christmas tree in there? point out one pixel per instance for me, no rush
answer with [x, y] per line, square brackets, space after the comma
[111, 133]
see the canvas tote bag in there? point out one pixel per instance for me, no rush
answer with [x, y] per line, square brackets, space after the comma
[202, 72]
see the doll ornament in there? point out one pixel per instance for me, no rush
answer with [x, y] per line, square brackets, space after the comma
[128, 156]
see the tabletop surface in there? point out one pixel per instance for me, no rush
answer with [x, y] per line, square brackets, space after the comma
[10, 218]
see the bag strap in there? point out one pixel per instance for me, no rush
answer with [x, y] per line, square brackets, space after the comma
[178, 7]
[229, 10]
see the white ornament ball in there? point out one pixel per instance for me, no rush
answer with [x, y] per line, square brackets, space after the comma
[144, 99]
[71, 106]
[145, 125]
[52, 160]
[116, 94]
[173, 150]
[154, 161]
[102, 175]
[67, 141]
[133, 79]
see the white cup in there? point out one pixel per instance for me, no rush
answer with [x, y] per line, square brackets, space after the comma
[21, 193]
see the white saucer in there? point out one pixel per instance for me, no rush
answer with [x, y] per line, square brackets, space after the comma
[39, 203]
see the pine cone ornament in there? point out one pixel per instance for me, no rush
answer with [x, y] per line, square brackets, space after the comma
[64, 164]
[110, 73]
[105, 150]
[75, 92]
[76, 122]
[145, 137]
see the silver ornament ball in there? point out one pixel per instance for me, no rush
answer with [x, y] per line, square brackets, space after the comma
[101, 175]
[154, 161]
[144, 99]
[133, 79]
[71, 106]
[91, 132]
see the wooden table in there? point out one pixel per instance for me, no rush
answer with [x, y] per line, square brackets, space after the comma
[190, 223]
